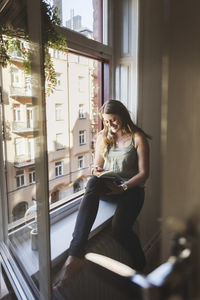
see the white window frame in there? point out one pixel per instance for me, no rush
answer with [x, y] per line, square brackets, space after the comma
[58, 169]
[82, 137]
[59, 81]
[56, 53]
[59, 112]
[19, 179]
[82, 87]
[31, 175]
[60, 141]
[82, 113]
[16, 78]
[80, 162]
[17, 111]
[19, 146]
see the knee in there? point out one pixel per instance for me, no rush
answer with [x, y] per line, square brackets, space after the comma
[93, 183]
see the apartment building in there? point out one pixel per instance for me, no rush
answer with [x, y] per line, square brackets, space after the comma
[71, 126]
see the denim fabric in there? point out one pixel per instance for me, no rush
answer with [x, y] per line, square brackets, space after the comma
[129, 205]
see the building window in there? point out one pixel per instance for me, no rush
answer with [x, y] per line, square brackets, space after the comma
[82, 113]
[16, 77]
[20, 178]
[56, 54]
[82, 84]
[80, 162]
[17, 112]
[82, 137]
[31, 175]
[59, 168]
[19, 146]
[58, 81]
[59, 112]
[59, 141]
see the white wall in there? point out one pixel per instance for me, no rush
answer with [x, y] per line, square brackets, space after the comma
[181, 172]
[140, 58]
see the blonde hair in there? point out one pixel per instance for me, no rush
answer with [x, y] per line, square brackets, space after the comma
[116, 107]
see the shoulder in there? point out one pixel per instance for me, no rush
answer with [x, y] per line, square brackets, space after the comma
[100, 136]
[99, 139]
[140, 139]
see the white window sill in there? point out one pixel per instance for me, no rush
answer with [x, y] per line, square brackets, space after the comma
[61, 235]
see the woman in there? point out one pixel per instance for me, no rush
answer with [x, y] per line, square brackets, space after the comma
[121, 147]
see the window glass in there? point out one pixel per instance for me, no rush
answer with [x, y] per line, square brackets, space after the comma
[74, 103]
[77, 113]
[19, 147]
[31, 175]
[80, 162]
[82, 137]
[59, 112]
[84, 17]
[59, 141]
[58, 168]
[82, 113]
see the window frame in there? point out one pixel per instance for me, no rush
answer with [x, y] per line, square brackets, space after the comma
[59, 112]
[20, 146]
[82, 137]
[19, 177]
[31, 174]
[59, 168]
[59, 144]
[16, 73]
[81, 111]
[80, 161]
[79, 44]
[17, 113]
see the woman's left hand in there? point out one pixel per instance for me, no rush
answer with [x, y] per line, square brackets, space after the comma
[114, 188]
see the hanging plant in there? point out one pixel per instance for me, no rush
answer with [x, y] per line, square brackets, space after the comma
[17, 40]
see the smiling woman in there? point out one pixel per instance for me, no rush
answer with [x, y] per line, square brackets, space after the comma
[122, 148]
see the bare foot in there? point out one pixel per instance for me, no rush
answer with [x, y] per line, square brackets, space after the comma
[72, 265]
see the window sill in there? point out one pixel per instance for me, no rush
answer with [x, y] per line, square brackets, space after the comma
[62, 226]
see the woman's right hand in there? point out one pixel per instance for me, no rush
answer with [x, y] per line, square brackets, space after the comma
[98, 171]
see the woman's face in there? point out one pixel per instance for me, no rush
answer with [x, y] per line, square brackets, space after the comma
[113, 122]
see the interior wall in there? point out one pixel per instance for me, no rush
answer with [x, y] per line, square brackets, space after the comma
[138, 25]
[149, 113]
[181, 142]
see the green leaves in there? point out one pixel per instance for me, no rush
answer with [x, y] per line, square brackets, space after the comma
[13, 39]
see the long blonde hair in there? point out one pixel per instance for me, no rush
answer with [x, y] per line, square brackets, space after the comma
[116, 107]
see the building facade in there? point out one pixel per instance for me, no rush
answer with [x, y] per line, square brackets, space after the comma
[71, 122]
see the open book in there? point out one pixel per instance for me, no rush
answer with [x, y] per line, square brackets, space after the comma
[110, 175]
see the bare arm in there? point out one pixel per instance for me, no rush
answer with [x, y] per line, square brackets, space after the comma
[98, 158]
[142, 147]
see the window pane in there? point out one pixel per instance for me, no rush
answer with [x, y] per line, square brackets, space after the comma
[18, 112]
[71, 140]
[84, 17]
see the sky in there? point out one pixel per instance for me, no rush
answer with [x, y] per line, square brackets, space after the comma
[83, 8]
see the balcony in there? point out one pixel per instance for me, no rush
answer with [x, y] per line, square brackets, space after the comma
[16, 56]
[21, 93]
[23, 161]
[22, 127]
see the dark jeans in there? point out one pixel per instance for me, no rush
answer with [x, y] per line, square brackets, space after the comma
[129, 205]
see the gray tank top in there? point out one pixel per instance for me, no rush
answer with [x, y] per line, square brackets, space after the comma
[123, 161]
